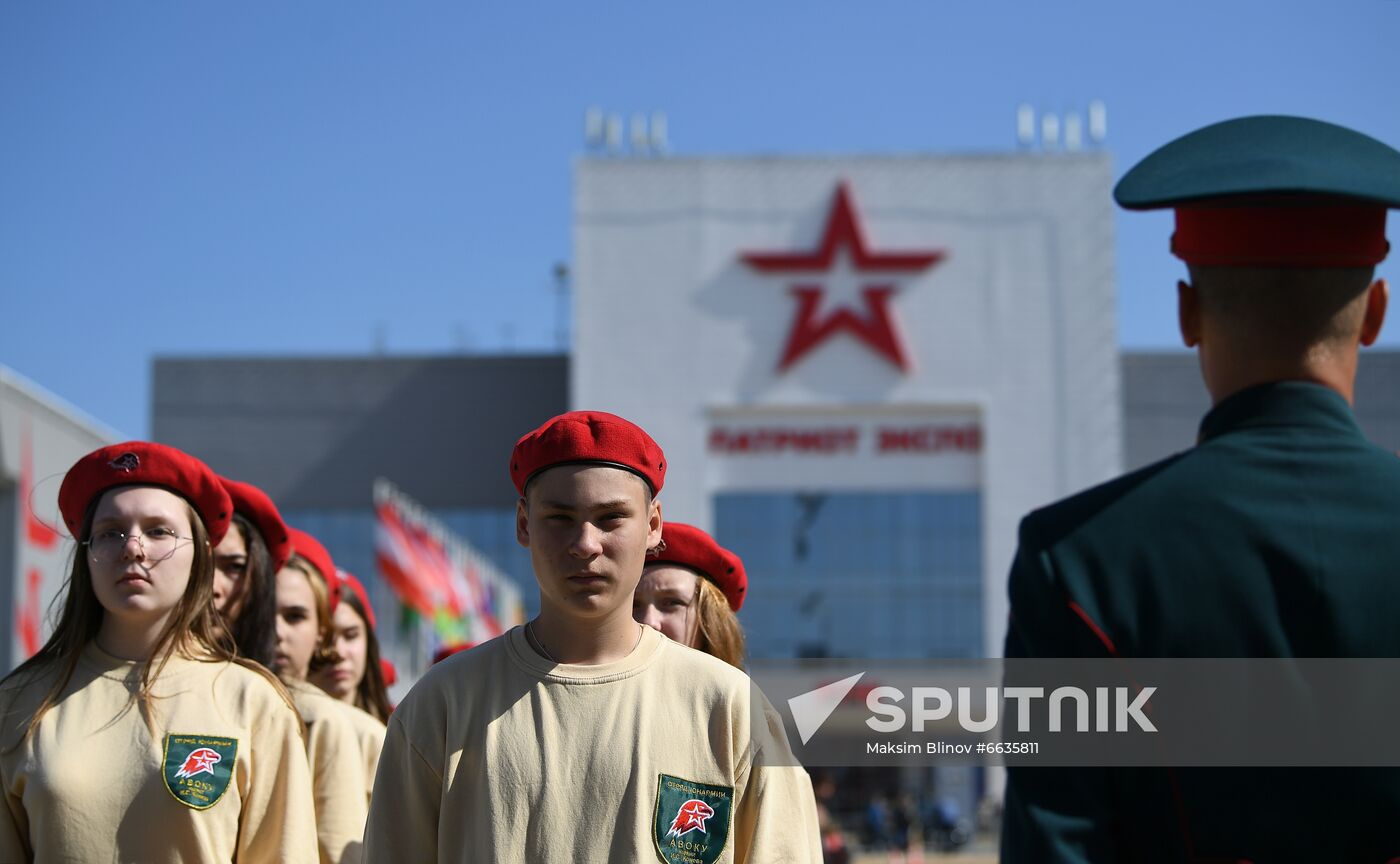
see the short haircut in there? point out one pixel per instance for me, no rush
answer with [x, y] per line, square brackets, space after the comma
[1284, 309]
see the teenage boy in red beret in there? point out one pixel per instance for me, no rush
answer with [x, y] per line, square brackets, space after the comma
[585, 736]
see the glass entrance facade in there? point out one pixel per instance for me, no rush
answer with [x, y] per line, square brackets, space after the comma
[858, 574]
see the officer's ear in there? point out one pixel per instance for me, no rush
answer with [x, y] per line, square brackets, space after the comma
[1188, 313]
[1377, 299]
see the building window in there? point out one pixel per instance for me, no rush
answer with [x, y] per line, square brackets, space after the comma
[858, 574]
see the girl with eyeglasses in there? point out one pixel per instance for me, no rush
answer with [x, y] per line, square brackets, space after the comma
[307, 595]
[355, 677]
[136, 734]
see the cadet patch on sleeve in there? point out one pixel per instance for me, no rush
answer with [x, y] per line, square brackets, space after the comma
[198, 768]
[692, 820]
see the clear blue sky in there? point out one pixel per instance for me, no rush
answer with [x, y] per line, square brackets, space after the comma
[284, 178]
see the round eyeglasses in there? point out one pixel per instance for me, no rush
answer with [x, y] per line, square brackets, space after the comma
[157, 544]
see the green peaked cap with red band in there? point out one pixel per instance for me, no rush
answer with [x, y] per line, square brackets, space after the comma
[1271, 191]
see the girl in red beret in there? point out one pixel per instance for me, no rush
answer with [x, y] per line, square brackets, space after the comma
[356, 677]
[353, 675]
[690, 589]
[307, 595]
[245, 566]
[135, 734]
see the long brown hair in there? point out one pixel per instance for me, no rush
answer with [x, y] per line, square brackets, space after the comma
[196, 630]
[717, 628]
[255, 596]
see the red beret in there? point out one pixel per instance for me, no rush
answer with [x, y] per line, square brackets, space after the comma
[391, 674]
[310, 548]
[254, 504]
[145, 463]
[581, 437]
[690, 547]
[348, 580]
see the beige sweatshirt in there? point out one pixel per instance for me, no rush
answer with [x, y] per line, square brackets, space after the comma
[337, 773]
[370, 733]
[498, 754]
[218, 777]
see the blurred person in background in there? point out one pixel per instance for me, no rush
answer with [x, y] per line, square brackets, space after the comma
[307, 591]
[690, 590]
[136, 733]
[246, 563]
[835, 850]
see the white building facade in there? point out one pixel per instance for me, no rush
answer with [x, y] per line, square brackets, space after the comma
[40, 439]
[863, 371]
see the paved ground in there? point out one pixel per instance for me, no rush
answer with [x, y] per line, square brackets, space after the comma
[979, 852]
[929, 858]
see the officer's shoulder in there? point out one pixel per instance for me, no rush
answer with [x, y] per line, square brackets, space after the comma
[1143, 487]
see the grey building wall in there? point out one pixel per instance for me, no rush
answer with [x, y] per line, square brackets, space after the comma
[1378, 397]
[1164, 400]
[314, 433]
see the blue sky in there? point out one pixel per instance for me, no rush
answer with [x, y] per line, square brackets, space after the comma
[258, 178]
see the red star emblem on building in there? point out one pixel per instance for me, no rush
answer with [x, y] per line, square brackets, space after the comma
[873, 325]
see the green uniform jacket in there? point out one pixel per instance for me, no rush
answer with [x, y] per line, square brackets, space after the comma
[1277, 536]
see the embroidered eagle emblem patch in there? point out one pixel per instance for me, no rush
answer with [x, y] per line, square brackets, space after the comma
[198, 768]
[691, 824]
[692, 817]
[201, 761]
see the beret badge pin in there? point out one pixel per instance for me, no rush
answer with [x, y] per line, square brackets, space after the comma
[126, 463]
